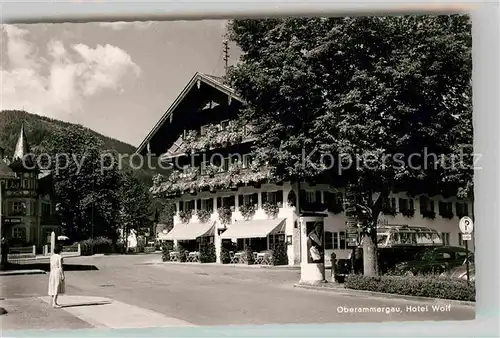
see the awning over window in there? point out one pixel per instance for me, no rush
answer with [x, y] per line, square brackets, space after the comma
[254, 229]
[190, 231]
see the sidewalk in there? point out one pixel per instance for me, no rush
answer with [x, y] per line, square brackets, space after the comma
[80, 312]
[106, 313]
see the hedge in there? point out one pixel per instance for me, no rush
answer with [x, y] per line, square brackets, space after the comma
[420, 286]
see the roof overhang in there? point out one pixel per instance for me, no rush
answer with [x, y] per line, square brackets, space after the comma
[195, 81]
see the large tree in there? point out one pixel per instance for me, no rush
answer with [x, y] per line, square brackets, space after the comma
[87, 184]
[377, 94]
[135, 211]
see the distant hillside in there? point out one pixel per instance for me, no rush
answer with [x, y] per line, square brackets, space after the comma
[38, 128]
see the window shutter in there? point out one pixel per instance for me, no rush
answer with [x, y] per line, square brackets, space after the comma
[198, 204]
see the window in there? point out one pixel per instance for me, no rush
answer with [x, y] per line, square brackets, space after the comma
[389, 203]
[445, 209]
[207, 204]
[251, 199]
[443, 256]
[224, 125]
[203, 130]
[406, 205]
[311, 196]
[274, 197]
[228, 201]
[338, 240]
[247, 161]
[19, 208]
[189, 205]
[19, 233]
[426, 205]
[226, 164]
[460, 255]
[445, 237]
[328, 240]
[342, 242]
[462, 209]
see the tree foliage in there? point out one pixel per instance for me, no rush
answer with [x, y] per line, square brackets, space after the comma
[87, 197]
[376, 94]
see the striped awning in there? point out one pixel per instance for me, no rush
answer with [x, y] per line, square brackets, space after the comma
[254, 228]
[190, 231]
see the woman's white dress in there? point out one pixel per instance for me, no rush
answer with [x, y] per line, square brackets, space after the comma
[56, 283]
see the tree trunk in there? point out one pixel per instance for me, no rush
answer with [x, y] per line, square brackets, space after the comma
[369, 241]
[370, 263]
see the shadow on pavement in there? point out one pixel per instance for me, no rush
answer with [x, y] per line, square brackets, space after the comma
[46, 267]
[84, 304]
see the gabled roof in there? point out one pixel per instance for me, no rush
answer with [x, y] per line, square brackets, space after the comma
[211, 80]
[5, 170]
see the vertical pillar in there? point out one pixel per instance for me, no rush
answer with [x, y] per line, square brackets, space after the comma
[52, 241]
[218, 246]
[312, 267]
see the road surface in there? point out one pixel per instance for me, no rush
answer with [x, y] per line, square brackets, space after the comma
[211, 295]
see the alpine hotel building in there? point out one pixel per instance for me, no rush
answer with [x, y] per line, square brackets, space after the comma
[200, 123]
[26, 198]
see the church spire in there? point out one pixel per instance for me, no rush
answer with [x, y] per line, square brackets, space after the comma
[22, 147]
[22, 159]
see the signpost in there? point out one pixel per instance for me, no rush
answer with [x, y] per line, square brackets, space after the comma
[466, 226]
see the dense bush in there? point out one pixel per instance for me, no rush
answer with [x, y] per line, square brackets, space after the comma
[207, 253]
[225, 258]
[166, 247]
[249, 256]
[182, 252]
[280, 256]
[98, 245]
[421, 286]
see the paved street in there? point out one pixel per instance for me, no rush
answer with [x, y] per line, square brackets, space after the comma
[197, 295]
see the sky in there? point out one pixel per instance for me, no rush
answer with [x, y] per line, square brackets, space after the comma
[115, 78]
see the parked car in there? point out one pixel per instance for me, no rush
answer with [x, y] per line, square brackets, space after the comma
[388, 258]
[460, 271]
[433, 261]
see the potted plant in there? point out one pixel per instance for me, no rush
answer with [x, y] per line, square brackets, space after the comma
[408, 213]
[429, 214]
[185, 215]
[225, 215]
[271, 209]
[247, 210]
[203, 215]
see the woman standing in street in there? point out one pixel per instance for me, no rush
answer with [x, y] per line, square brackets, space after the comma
[56, 277]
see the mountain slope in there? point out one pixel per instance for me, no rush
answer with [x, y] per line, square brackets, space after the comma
[38, 128]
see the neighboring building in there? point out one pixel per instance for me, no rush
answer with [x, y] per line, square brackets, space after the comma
[202, 121]
[28, 216]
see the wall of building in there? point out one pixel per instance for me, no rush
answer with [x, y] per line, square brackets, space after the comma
[333, 223]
